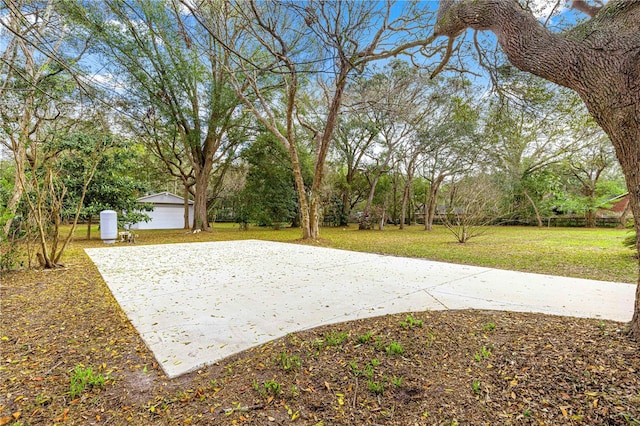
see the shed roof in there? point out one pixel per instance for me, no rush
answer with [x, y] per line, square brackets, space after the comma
[163, 198]
[617, 204]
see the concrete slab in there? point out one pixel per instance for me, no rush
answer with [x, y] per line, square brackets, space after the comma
[195, 304]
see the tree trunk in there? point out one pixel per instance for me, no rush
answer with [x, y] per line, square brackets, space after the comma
[624, 215]
[405, 198]
[535, 208]
[382, 217]
[599, 59]
[314, 216]
[430, 209]
[200, 211]
[629, 156]
[366, 213]
[19, 160]
[323, 143]
[89, 228]
[305, 222]
[590, 218]
[346, 207]
[12, 205]
[187, 223]
[200, 220]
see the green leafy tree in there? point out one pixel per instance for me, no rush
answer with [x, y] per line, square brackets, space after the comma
[531, 125]
[178, 96]
[9, 243]
[450, 146]
[353, 139]
[584, 200]
[47, 194]
[545, 187]
[269, 193]
[113, 186]
[588, 169]
[7, 176]
[395, 102]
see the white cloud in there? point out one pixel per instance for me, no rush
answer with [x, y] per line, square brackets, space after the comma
[543, 8]
[185, 5]
[4, 22]
[106, 81]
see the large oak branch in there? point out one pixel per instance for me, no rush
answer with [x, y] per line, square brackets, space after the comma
[528, 45]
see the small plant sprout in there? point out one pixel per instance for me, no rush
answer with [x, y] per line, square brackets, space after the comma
[483, 354]
[603, 328]
[81, 378]
[397, 381]
[364, 338]
[378, 344]
[476, 387]
[486, 352]
[375, 387]
[335, 338]
[289, 362]
[394, 348]
[272, 387]
[409, 323]
[601, 325]
[354, 368]
[375, 362]
[489, 327]
[430, 339]
[368, 371]
[42, 399]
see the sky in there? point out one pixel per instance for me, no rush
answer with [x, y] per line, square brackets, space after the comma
[542, 10]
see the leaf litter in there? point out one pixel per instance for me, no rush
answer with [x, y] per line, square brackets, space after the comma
[457, 367]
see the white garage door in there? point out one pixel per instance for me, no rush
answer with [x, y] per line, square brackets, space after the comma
[165, 217]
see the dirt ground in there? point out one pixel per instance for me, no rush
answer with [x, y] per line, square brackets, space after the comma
[420, 368]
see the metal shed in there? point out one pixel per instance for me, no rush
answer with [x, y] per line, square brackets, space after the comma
[168, 211]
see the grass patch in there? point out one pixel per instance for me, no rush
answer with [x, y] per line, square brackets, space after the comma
[394, 348]
[596, 253]
[577, 252]
[335, 338]
[288, 362]
[82, 378]
[410, 322]
[364, 338]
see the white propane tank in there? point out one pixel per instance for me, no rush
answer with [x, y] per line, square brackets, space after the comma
[108, 226]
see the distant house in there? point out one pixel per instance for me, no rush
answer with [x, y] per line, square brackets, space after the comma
[168, 212]
[619, 207]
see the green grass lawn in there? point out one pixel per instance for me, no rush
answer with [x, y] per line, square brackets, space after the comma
[576, 252]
